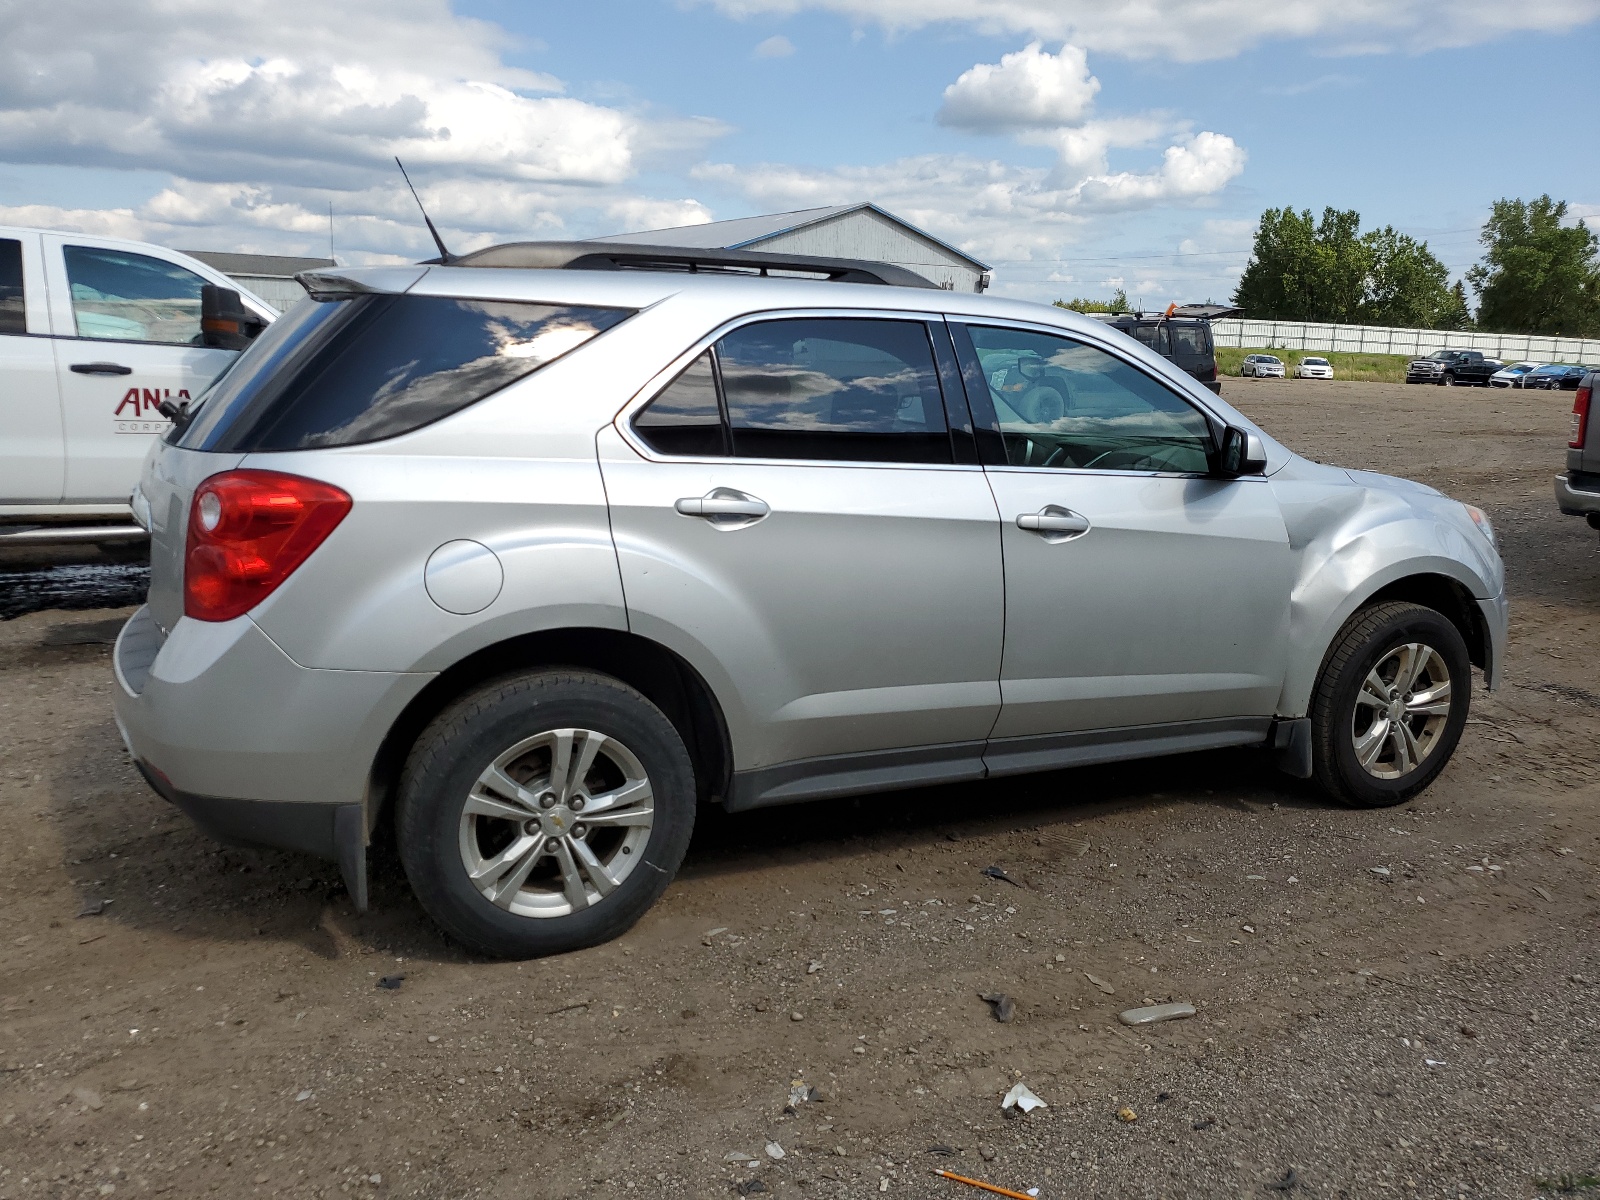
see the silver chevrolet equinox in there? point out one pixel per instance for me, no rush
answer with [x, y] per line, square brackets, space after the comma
[535, 551]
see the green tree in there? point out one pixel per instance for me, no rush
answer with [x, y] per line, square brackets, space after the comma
[1537, 274]
[1118, 303]
[1327, 270]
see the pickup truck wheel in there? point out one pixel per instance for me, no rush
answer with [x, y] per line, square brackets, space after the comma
[544, 812]
[1449, 379]
[1390, 705]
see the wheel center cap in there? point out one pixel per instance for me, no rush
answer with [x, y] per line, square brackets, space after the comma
[557, 822]
[1397, 710]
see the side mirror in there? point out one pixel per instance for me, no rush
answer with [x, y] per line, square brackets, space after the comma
[1241, 453]
[225, 322]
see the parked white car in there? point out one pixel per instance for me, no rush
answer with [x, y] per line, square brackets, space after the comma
[95, 333]
[1314, 368]
[1513, 375]
[1262, 366]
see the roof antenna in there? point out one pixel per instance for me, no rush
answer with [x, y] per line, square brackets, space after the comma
[445, 257]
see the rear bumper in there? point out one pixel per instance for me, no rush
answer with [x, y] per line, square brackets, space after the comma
[1575, 501]
[255, 748]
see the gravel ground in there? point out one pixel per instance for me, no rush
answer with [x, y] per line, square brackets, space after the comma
[1389, 1003]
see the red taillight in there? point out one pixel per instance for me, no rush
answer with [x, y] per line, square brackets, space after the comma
[248, 531]
[1580, 418]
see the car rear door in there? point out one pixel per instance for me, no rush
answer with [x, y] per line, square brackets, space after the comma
[1144, 598]
[127, 328]
[791, 517]
[32, 448]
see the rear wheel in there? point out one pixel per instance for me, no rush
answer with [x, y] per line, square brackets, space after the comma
[1390, 705]
[544, 812]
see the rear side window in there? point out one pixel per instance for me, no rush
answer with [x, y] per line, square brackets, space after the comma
[127, 297]
[846, 389]
[363, 368]
[843, 389]
[1191, 340]
[13, 313]
[686, 418]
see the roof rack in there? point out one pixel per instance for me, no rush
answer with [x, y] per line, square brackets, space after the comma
[621, 256]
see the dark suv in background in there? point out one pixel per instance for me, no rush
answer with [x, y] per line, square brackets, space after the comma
[1578, 491]
[1184, 341]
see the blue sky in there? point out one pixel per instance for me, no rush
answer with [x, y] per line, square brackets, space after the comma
[1073, 144]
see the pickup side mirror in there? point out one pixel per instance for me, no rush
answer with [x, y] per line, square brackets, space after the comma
[1241, 453]
[225, 322]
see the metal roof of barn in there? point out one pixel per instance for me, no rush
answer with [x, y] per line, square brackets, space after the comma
[744, 232]
[271, 266]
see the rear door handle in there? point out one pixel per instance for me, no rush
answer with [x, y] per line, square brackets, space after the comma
[725, 508]
[1054, 523]
[100, 368]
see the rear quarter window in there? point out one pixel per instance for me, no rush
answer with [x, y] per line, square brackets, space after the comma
[359, 369]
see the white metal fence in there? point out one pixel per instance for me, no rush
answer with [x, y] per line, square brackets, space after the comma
[1381, 339]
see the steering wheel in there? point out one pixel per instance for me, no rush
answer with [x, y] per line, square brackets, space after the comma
[1159, 459]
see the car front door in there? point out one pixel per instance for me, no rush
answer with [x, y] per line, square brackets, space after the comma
[790, 516]
[1145, 598]
[31, 445]
[127, 337]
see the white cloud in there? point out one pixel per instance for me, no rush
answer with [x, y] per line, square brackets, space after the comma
[1206, 163]
[1195, 30]
[776, 46]
[262, 114]
[1029, 89]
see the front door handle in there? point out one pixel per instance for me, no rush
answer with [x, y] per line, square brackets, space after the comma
[100, 368]
[725, 508]
[1054, 523]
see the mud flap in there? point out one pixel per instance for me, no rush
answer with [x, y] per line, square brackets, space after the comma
[350, 838]
[1291, 746]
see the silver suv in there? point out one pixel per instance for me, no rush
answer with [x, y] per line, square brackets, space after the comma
[537, 550]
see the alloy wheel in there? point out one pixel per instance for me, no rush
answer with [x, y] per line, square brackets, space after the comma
[556, 823]
[1401, 711]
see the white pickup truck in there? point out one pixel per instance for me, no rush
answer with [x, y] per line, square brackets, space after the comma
[95, 333]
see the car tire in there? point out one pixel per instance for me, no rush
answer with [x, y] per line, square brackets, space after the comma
[1360, 751]
[549, 744]
[1448, 380]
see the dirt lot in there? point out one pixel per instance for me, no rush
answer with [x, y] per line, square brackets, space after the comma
[1390, 1003]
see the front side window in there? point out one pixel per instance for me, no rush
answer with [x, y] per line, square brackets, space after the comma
[129, 297]
[341, 372]
[844, 389]
[1063, 404]
[13, 312]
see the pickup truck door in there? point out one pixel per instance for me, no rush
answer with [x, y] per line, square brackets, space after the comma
[127, 336]
[32, 450]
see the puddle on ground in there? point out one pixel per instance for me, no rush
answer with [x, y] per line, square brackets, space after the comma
[77, 586]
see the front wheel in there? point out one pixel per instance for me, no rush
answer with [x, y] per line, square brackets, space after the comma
[1390, 705]
[544, 812]
[1449, 380]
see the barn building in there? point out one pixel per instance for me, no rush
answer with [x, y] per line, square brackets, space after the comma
[839, 231]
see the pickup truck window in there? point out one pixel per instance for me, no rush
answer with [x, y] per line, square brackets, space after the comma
[126, 297]
[13, 314]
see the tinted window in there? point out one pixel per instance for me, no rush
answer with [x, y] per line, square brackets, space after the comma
[1191, 340]
[132, 297]
[1157, 337]
[844, 389]
[685, 418]
[1063, 404]
[13, 315]
[364, 368]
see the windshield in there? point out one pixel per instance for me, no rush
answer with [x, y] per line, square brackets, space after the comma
[1315, 362]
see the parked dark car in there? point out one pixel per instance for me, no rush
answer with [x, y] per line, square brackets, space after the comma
[1451, 368]
[1578, 491]
[1557, 377]
[1184, 341]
